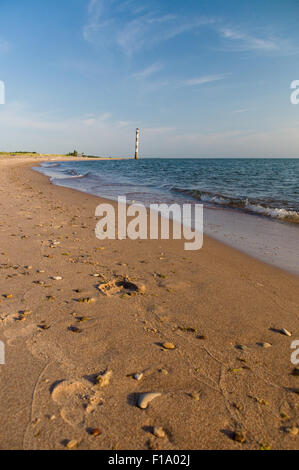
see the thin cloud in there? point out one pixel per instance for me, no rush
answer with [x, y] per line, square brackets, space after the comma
[240, 111]
[131, 27]
[139, 28]
[202, 80]
[148, 71]
[150, 86]
[95, 11]
[148, 30]
[247, 42]
[244, 42]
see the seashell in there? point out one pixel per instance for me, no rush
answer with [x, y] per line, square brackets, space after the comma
[285, 332]
[145, 398]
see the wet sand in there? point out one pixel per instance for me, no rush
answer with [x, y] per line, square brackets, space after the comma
[216, 306]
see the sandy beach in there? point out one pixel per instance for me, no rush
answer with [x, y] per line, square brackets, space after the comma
[77, 359]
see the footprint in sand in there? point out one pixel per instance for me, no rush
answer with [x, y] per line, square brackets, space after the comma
[75, 399]
[71, 396]
[13, 334]
[121, 285]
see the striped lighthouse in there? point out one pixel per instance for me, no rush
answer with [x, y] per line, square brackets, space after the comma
[137, 144]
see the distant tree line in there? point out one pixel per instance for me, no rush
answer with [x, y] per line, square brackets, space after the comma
[74, 153]
[19, 152]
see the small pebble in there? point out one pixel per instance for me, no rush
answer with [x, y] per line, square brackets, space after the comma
[27, 312]
[86, 300]
[95, 432]
[195, 396]
[239, 437]
[57, 278]
[82, 319]
[266, 345]
[141, 288]
[265, 446]
[138, 376]
[168, 345]
[158, 431]
[72, 444]
[285, 332]
[74, 329]
[43, 327]
[295, 371]
[292, 430]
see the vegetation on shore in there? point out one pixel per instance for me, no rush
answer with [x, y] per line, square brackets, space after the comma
[76, 154]
[19, 152]
[70, 154]
[73, 154]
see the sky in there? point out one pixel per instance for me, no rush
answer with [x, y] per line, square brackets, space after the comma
[200, 78]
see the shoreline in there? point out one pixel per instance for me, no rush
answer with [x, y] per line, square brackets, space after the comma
[206, 303]
[266, 239]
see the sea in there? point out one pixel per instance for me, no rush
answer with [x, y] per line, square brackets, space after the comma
[249, 203]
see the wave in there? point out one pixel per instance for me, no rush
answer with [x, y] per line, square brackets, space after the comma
[49, 164]
[66, 176]
[84, 175]
[268, 207]
[245, 204]
[275, 212]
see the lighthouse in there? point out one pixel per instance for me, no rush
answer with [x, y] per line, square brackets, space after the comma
[137, 144]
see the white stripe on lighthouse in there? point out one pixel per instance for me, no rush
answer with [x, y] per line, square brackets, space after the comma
[137, 144]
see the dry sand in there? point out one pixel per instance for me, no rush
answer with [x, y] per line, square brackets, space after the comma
[206, 303]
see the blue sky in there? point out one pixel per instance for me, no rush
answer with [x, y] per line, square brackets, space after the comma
[199, 77]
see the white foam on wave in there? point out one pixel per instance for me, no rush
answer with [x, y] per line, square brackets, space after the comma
[273, 212]
[61, 176]
[214, 199]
